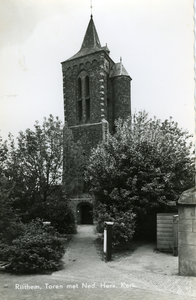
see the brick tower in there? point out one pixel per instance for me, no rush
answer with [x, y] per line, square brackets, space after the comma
[96, 92]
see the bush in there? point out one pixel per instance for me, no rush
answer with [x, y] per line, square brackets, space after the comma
[61, 217]
[4, 251]
[55, 211]
[123, 228]
[124, 224]
[38, 249]
[13, 231]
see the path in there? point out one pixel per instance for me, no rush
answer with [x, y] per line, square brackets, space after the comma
[86, 276]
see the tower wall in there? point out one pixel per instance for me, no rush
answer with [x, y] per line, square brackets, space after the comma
[94, 96]
[96, 67]
[122, 96]
[89, 134]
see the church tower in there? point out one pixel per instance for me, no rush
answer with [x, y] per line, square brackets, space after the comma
[96, 92]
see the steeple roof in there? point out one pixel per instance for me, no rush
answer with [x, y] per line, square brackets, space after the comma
[91, 42]
[91, 39]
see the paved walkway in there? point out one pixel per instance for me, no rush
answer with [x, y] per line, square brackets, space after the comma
[86, 276]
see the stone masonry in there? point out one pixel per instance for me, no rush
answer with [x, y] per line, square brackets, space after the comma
[187, 233]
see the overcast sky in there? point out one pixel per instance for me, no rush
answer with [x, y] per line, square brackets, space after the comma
[155, 39]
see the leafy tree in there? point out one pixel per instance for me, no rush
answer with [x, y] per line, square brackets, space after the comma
[10, 225]
[35, 166]
[144, 166]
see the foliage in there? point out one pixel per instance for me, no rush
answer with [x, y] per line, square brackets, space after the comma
[10, 225]
[38, 249]
[60, 216]
[56, 211]
[30, 177]
[35, 167]
[124, 224]
[145, 165]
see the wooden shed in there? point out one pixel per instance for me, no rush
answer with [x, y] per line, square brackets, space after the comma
[166, 232]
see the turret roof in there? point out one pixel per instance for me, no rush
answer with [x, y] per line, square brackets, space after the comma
[119, 70]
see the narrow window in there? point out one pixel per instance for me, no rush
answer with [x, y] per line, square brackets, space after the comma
[87, 98]
[86, 86]
[79, 104]
[80, 110]
[87, 109]
[79, 88]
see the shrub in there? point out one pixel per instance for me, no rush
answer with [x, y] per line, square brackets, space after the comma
[61, 217]
[4, 251]
[13, 231]
[38, 249]
[55, 211]
[124, 224]
[123, 228]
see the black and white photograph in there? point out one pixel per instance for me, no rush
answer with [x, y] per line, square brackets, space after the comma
[97, 150]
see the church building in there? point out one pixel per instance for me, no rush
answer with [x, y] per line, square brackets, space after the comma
[97, 91]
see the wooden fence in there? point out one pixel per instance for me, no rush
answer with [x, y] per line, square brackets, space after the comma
[167, 232]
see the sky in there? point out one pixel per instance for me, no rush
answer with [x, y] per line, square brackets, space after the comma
[155, 39]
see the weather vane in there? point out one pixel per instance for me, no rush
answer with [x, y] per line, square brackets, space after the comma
[91, 8]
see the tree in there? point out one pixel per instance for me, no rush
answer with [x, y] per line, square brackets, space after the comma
[10, 225]
[145, 166]
[35, 166]
[31, 187]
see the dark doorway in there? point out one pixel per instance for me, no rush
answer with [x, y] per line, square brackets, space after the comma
[86, 214]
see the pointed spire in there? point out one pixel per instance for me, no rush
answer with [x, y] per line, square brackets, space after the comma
[91, 39]
[91, 42]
